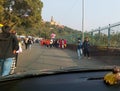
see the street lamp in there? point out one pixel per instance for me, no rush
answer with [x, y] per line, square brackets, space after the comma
[82, 20]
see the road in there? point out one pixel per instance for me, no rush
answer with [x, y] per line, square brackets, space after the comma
[42, 58]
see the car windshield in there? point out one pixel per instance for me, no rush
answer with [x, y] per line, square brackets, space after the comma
[52, 35]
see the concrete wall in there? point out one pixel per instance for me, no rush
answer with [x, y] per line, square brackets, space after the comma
[98, 51]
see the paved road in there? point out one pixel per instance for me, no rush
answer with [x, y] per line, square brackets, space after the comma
[42, 58]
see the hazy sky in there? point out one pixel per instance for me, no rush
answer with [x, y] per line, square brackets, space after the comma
[98, 13]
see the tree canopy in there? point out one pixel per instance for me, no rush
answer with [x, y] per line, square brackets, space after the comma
[25, 17]
[22, 13]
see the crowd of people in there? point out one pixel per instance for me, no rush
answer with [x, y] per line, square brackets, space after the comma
[11, 46]
[28, 42]
[83, 47]
[58, 43]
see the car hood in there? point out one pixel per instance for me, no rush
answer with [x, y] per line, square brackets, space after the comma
[47, 72]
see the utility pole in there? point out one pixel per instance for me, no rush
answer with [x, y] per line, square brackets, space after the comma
[82, 20]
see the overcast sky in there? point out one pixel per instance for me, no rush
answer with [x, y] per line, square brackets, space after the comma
[98, 13]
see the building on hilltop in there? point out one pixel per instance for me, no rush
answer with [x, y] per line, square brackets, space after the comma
[53, 22]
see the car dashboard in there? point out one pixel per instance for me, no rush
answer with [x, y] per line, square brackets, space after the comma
[65, 81]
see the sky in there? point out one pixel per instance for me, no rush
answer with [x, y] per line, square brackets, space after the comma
[98, 13]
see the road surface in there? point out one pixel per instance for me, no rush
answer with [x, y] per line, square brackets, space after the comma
[42, 58]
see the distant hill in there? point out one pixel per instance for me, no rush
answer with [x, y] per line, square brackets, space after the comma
[60, 31]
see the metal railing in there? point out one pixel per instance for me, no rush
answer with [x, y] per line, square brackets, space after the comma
[106, 36]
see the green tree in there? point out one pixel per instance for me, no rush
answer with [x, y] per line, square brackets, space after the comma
[23, 13]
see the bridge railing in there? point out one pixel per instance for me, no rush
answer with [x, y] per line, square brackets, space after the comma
[106, 36]
[104, 40]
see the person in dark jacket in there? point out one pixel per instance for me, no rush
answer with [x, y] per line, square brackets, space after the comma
[79, 48]
[8, 48]
[86, 46]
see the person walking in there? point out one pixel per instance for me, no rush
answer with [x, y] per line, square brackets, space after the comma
[26, 43]
[18, 51]
[30, 42]
[8, 48]
[79, 48]
[51, 43]
[86, 48]
[15, 59]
